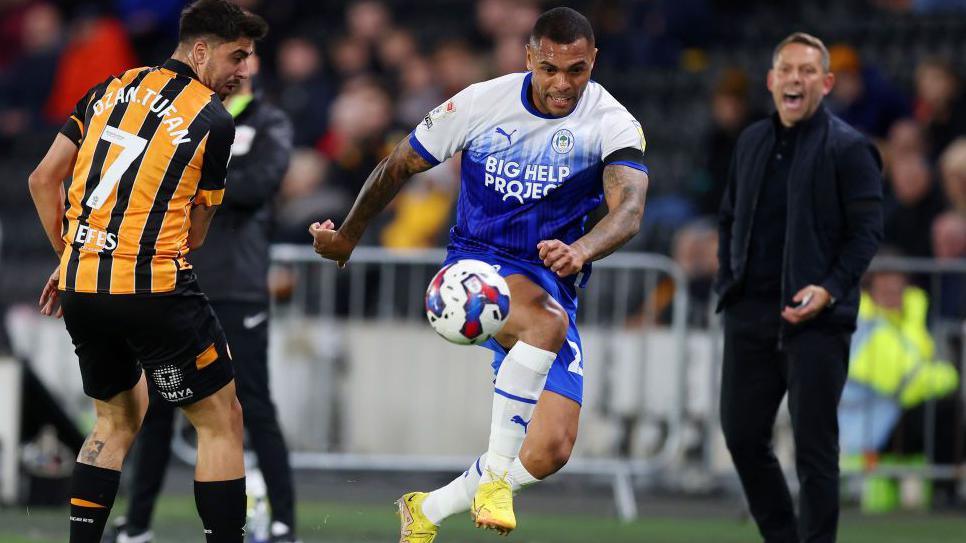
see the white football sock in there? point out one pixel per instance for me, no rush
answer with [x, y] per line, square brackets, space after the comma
[519, 477]
[457, 496]
[519, 383]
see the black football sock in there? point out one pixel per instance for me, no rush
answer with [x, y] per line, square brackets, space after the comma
[221, 505]
[92, 493]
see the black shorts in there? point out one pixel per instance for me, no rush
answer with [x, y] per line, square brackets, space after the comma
[176, 338]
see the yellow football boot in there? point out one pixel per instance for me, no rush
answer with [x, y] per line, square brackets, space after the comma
[493, 506]
[414, 527]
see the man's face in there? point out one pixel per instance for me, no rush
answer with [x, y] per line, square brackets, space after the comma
[886, 289]
[798, 82]
[223, 65]
[560, 74]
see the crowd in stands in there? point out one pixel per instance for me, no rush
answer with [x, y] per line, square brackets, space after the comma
[356, 77]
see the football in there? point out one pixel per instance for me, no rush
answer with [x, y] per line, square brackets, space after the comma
[467, 302]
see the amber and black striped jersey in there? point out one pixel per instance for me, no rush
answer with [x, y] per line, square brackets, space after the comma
[152, 143]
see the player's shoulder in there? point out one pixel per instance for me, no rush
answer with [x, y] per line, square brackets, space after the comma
[218, 116]
[602, 98]
[496, 89]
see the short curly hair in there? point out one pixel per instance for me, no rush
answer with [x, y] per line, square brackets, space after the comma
[219, 19]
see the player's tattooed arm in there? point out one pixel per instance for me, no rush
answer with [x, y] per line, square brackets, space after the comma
[624, 191]
[379, 189]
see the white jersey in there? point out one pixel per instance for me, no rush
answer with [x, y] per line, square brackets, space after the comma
[526, 176]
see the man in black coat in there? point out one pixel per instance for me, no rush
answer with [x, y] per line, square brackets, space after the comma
[233, 265]
[800, 221]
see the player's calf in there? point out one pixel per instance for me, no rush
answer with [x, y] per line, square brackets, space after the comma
[97, 474]
[220, 469]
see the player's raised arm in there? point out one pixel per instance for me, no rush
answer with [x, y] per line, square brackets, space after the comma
[380, 188]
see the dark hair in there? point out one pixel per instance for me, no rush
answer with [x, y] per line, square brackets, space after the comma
[221, 19]
[562, 25]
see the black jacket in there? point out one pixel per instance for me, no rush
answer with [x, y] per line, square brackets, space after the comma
[834, 213]
[233, 263]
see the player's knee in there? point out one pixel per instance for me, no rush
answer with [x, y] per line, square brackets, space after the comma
[549, 328]
[122, 426]
[550, 456]
[559, 453]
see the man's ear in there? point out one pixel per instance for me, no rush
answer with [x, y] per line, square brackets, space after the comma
[529, 58]
[200, 52]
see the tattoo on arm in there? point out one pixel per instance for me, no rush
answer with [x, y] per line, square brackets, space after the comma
[624, 191]
[382, 186]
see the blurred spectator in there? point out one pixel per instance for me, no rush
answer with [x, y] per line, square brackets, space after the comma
[396, 49]
[368, 20]
[358, 137]
[420, 215]
[455, 67]
[905, 138]
[861, 96]
[501, 19]
[914, 202]
[695, 249]
[949, 242]
[418, 93]
[303, 196]
[301, 89]
[350, 57]
[949, 236]
[152, 26]
[509, 56]
[98, 47]
[940, 105]
[952, 165]
[893, 371]
[26, 84]
[730, 114]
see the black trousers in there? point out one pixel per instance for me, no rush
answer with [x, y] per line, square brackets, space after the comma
[246, 327]
[811, 366]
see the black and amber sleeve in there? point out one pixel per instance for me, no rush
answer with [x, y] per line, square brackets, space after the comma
[214, 165]
[74, 127]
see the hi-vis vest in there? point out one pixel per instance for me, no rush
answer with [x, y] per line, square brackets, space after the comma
[892, 352]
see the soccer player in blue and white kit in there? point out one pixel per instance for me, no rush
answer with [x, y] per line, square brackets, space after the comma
[540, 150]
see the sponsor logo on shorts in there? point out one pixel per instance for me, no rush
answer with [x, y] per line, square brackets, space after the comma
[82, 519]
[170, 381]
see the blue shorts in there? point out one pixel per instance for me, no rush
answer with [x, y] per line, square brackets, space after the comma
[566, 375]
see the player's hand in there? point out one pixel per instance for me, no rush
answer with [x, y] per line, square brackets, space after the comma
[329, 243]
[50, 297]
[811, 300]
[562, 259]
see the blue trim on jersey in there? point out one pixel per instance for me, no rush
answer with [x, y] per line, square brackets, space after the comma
[526, 100]
[630, 164]
[479, 470]
[418, 147]
[521, 399]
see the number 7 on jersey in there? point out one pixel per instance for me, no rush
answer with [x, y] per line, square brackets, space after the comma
[131, 147]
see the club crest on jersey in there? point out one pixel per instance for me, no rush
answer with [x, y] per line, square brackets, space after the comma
[562, 141]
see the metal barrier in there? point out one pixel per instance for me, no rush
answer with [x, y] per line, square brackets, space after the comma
[387, 287]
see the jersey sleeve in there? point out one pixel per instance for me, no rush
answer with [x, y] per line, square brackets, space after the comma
[624, 141]
[74, 126]
[214, 164]
[444, 130]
